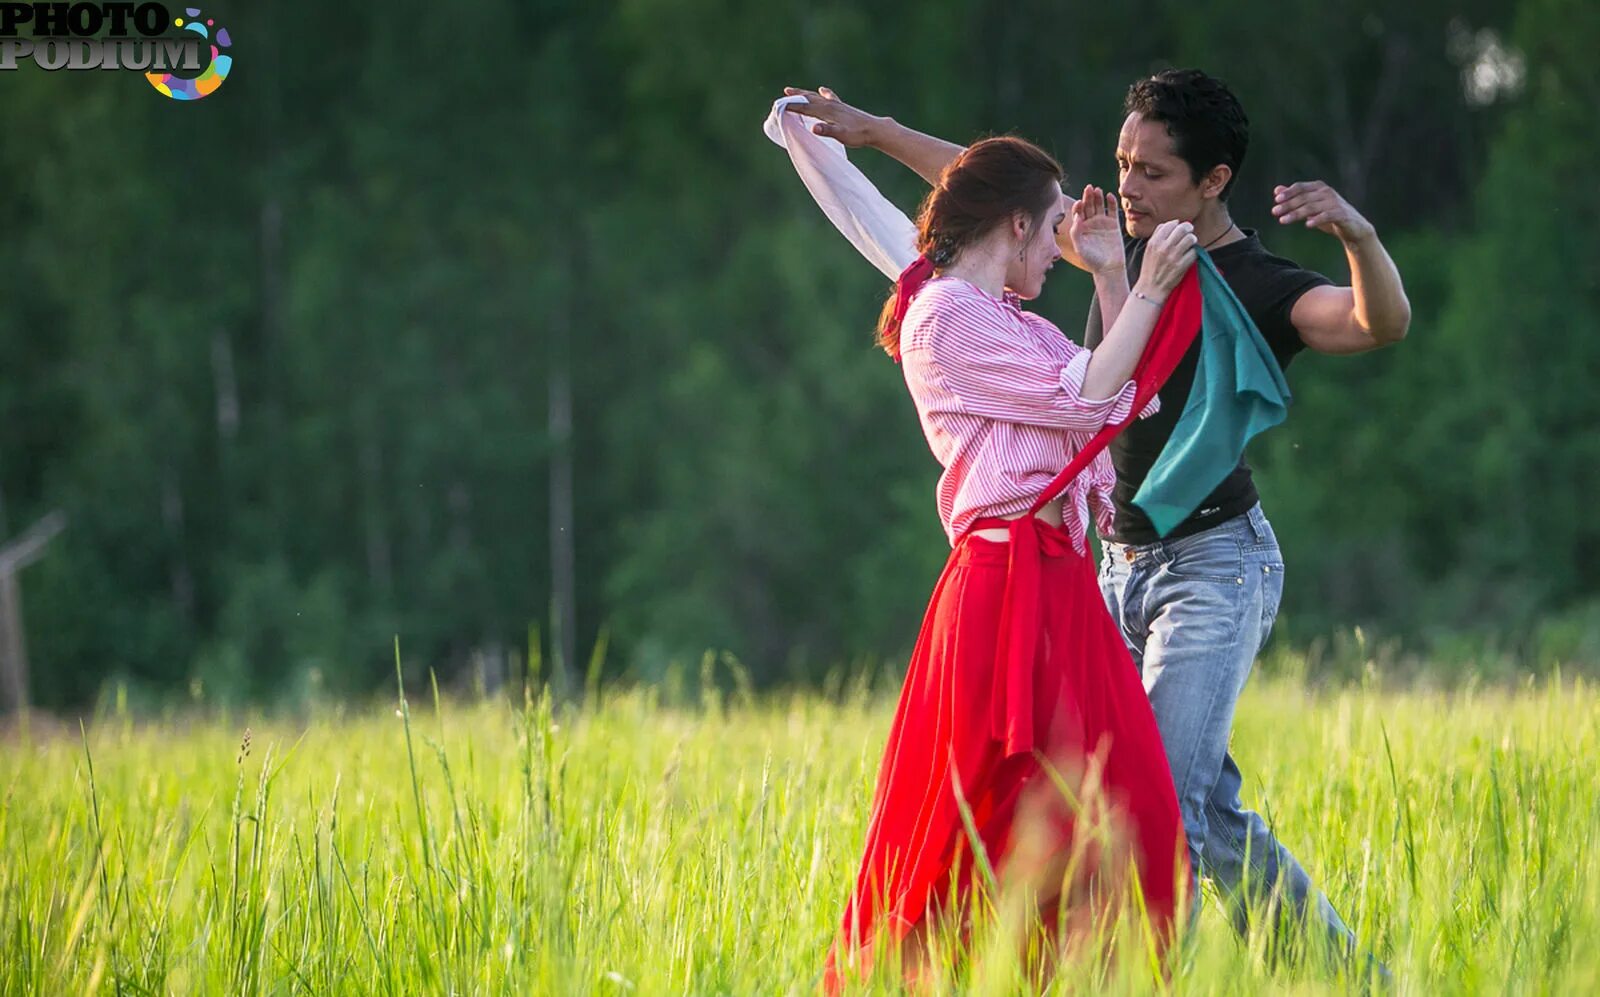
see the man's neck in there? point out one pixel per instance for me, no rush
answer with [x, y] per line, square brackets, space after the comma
[1214, 228]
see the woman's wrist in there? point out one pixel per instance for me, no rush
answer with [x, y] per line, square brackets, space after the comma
[880, 130]
[1147, 290]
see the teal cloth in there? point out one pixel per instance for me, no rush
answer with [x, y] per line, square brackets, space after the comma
[1239, 391]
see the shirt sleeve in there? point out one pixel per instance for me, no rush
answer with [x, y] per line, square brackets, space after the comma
[1004, 377]
[1281, 287]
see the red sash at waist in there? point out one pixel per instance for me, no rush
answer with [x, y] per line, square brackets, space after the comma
[1011, 718]
[1012, 696]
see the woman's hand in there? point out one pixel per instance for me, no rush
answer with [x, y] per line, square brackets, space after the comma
[1168, 256]
[851, 126]
[1092, 237]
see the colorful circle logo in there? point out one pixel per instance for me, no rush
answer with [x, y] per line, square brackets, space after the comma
[207, 82]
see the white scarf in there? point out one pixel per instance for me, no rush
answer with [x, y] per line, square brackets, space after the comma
[880, 231]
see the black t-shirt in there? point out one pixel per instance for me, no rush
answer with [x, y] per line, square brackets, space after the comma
[1267, 286]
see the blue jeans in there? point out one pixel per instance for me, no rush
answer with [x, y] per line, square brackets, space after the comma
[1194, 613]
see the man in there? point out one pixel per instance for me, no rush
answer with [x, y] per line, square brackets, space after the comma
[1196, 606]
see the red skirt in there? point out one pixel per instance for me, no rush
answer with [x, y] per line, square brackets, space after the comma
[1089, 722]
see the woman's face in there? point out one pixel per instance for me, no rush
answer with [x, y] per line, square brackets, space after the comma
[1036, 248]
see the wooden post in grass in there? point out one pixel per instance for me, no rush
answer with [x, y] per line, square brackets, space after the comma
[22, 551]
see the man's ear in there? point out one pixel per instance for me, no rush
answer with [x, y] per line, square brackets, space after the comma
[1215, 182]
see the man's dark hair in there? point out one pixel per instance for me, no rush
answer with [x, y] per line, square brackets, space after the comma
[1207, 124]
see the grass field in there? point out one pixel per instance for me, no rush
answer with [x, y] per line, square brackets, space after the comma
[638, 848]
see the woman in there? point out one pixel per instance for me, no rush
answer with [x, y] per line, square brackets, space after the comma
[1022, 726]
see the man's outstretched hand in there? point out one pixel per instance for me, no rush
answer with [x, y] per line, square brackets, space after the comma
[1322, 208]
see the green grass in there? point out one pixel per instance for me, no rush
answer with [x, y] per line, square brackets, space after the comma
[637, 848]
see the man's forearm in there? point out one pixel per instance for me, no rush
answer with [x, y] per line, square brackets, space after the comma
[1110, 293]
[927, 155]
[1381, 307]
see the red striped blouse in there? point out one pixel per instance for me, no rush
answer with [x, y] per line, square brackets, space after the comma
[999, 393]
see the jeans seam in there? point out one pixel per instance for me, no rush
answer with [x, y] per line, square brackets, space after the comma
[1139, 628]
[1241, 845]
[1233, 840]
[1211, 711]
[1120, 595]
[1217, 691]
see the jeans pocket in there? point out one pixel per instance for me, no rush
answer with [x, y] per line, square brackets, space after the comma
[1197, 619]
[1210, 556]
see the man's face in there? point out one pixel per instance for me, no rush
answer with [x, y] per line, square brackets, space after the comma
[1154, 182]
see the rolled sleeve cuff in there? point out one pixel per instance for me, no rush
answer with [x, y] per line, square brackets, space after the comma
[1111, 411]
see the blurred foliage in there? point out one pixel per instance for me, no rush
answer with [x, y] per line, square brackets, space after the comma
[283, 355]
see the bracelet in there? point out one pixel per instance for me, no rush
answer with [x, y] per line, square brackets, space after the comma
[1145, 297]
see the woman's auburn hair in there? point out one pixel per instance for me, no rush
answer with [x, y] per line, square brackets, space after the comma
[982, 188]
